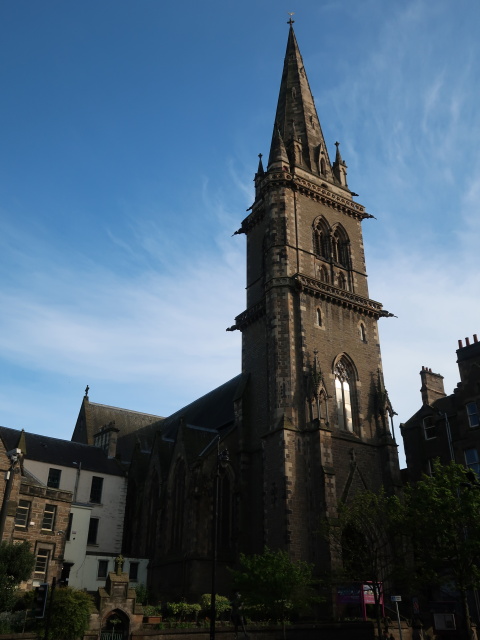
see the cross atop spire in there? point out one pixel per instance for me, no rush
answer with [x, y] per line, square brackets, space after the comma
[290, 21]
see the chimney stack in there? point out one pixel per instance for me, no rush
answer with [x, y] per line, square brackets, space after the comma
[432, 386]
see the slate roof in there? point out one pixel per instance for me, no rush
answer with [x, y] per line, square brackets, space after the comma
[61, 452]
[442, 405]
[93, 416]
[212, 411]
[203, 417]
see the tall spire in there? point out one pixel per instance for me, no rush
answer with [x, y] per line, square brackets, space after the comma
[296, 120]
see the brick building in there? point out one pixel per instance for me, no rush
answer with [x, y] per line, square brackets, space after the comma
[307, 423]
[33, 512]
[446, 426]
[68, 500]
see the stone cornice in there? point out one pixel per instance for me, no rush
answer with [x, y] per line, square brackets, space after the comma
[316, 288]
[321, 194]
[249, 315]
[258, 212]
[340, 296]
[311, 190]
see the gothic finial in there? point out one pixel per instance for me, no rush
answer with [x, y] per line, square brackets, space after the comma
[260, 170]
[290, 21]
[87, 388]
[339, 167]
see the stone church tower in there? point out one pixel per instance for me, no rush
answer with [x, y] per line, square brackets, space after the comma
[315, 411]
[306, 423]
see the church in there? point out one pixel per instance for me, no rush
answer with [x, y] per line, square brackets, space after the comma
[307, 422]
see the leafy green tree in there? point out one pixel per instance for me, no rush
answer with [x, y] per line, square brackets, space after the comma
[69, 614]
[16, 565]
[274, 584]
[442, 514]
[366, 542]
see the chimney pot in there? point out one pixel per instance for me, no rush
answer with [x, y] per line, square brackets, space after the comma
[467, 342]
[460, 344]
[475, 339]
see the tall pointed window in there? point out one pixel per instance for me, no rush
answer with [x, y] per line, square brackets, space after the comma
[321, 239]
[363, 332]
[153, 513]
[341, 247]
[344, 395]
[318, 318]
[178, 505]
[342, 281]
[324, 274]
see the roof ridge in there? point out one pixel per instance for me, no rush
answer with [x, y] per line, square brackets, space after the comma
[142, 413]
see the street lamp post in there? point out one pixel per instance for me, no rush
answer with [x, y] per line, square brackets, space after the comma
[221, 461]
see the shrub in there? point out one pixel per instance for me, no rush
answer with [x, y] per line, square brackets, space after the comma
[183, 609]
[222, 604]
[70, 614]
[152, 610]
[142, 593]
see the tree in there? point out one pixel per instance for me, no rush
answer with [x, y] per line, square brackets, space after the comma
[442, 514]
[274, 584]
[69, 614]
[16, 565]
[365, 541]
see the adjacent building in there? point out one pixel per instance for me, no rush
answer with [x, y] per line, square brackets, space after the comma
[446, 427]
[70, 506]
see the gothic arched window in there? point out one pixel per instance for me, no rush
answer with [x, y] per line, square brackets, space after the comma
[341, 247]
[363, 332]
[318, 317]
[342, 281]
[324, 274]
[321, 237]
[344, 395]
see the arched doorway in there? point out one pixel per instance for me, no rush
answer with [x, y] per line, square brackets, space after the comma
[116, 626]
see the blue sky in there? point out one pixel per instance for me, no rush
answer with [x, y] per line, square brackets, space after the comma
[129, 142]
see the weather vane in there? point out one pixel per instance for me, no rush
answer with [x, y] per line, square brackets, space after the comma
[290, 22]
